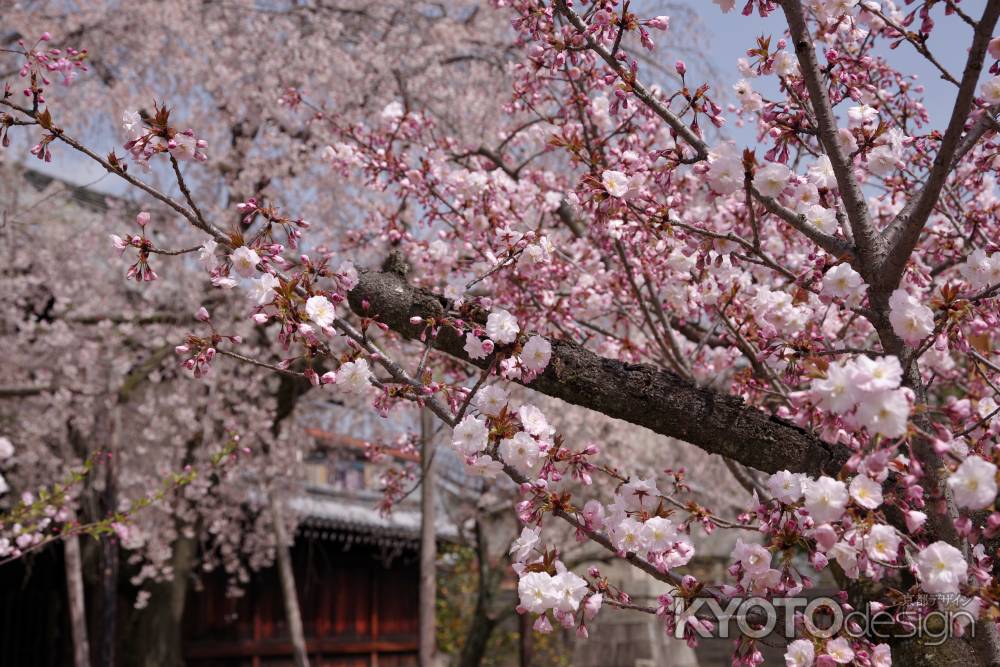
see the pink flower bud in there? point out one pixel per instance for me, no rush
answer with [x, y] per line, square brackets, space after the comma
[202, 314]
[260, 318]
[142, 219]
[328, 378]
[46, 36]
[182, 349]
[659, 22]
[543, 625]
[994, 47]
[680, 67]
[825, 536]
[914, 520]
[592, 605]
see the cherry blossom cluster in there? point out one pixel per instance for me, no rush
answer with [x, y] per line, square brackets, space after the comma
[865, 392]
[140, 271]
[546, 588]
[153, 134]
[39, 64]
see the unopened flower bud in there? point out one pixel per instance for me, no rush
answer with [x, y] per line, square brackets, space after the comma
[659, 22]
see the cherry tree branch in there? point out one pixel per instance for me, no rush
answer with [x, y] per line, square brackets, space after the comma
[21, 392]
[866, 237]
[919, 44]
[836, 247]
[145, 187]
[643, 93]
[904, 231]
[637, 393]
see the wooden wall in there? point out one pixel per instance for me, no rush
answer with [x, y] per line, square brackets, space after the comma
[359, 609]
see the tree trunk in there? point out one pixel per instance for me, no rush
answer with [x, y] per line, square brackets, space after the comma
[428, 545]
[108, 585]
[77, 607]
[483, 622]
[155, 637]
[288, 593]
[524, 639]
[108, 579]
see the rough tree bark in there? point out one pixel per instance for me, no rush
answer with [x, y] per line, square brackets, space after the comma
[428, 544]
[637, 393]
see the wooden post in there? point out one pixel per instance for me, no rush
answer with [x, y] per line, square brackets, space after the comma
[107, 638]
[428, 544]
[77, 608]
[289, 596]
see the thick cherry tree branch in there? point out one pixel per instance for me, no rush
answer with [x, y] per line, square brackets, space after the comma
[904, 232]
[866, 237]
[637, 393]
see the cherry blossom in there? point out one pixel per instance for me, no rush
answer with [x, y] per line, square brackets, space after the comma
[785, 486]
[354, 376]
[974, 483]
[469, 436]
[941, 568]
[320, 310]
[615, 183]
[245, 261]
[536, 354]
[866, 492]
[502, 327]
[911, 320]
[825, 498]
[800, 653]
